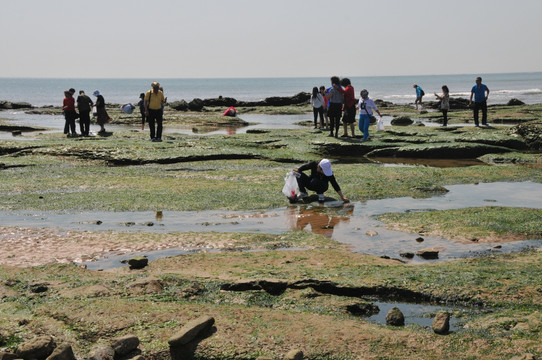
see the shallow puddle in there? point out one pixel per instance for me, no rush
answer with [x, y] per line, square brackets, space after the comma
[352, 224]
[419, 314]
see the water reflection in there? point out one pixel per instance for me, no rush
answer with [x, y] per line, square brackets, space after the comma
[317, 220]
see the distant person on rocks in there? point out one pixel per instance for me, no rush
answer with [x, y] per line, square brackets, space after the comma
[480, 93]
[102, 116]
[335, 106]
[154, 98]
[349, 109]
[444, 104]
[230, 112]
[68, 107]
[326, 104]
[84, 105]
[419, 95]
[318, 181]
[141, 105]
[317, 102]
[366, 106]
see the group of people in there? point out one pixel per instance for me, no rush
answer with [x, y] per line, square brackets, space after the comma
[339, 102]
[479, 93]
[339, 99]
[84, 106]
[151, 106]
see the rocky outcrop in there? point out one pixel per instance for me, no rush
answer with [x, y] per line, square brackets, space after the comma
[138, 262]
[62, 352]
[294, 354]
[38, 348]
[402, 121]
[515, 102]
[182, 345]
[14, 105]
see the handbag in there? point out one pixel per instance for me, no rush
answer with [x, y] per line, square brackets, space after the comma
[94, 111]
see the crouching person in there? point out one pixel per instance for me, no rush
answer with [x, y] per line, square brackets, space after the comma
[318, 181]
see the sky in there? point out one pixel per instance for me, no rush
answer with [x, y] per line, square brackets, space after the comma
[279, 38]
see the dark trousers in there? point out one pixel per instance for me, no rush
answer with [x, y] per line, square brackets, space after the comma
[70, 117]
[477, 107]
[155, 116]
[317, 111]
[311, 183]
[334, 113]
[143, 117]
[84, 122]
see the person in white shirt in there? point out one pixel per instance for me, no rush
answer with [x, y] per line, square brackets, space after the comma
[366, 106]
[317, 102]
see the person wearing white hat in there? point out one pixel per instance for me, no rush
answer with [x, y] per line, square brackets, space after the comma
[318, 181]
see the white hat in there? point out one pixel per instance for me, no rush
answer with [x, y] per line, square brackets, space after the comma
[96, 93]
[325, 165]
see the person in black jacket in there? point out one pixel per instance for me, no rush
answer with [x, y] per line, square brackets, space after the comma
[318, 181]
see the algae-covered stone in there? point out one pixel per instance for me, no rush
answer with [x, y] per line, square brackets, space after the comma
[36, 349]
[395, 317]
[138, 262]
[62, 352]
[441, 323]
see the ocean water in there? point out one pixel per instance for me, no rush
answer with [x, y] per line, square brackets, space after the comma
[526, 87]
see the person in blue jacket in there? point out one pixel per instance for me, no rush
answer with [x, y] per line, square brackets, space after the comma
[419, 95]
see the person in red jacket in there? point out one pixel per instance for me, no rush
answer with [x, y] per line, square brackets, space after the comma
[349, 109]
[68, 106]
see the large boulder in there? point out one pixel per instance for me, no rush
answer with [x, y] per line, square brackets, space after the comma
[299, 98]
[395, 317]
[195, 105]
[402, 121]
[441, 323]
[180, 105]
[515, 102]
[38, 348]
[125, 345]
[182, 345]
[62, 352]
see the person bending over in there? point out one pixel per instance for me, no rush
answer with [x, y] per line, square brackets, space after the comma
[318, 181]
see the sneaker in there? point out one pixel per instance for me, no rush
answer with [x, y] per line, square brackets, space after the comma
[158, 139]
[321, 198]
[302, 195]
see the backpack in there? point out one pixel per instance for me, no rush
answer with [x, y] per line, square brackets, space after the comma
[422, 92]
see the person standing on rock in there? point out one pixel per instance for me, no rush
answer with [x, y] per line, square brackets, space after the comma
[317, 102]
[141, 105]
[84, 105]
[419, 95]
[335, 106]
[326, 104]
[480, 93]
[68, 107]
[366, 106]
[102, 116]
[318, 181]
[444, 104]
[154, 98]
[349, 112]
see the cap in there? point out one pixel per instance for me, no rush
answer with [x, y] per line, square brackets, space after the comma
[96, 93]
[325, 165]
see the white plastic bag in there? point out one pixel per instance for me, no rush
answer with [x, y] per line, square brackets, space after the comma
[290, 185]
[380, 125]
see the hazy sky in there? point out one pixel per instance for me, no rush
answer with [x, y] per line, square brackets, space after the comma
[254, 38]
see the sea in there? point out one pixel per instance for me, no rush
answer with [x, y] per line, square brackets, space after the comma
[526, 87]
